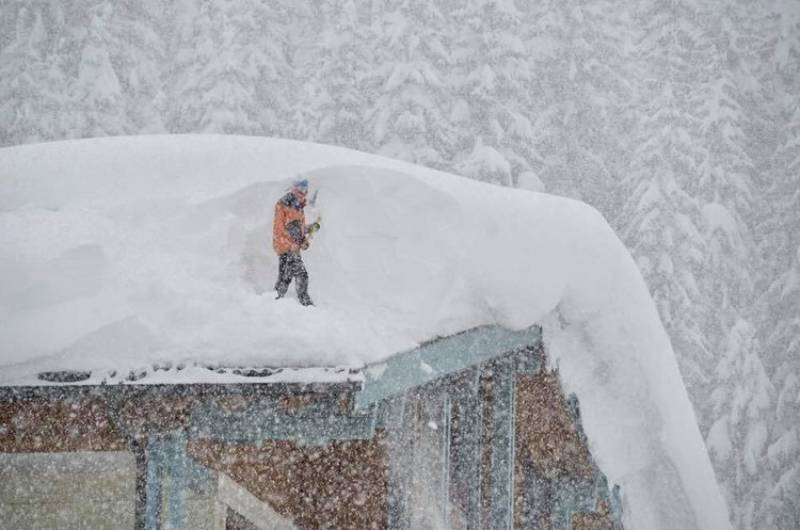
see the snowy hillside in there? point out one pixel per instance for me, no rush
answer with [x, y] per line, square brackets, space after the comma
[121, 253]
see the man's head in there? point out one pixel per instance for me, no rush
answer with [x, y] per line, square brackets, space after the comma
[300, 186]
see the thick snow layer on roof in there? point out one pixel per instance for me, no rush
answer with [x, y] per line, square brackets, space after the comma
[117, 254]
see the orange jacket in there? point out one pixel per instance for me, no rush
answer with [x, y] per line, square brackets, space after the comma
[289, 225]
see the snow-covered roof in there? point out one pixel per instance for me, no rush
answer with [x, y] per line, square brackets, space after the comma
[127, 253]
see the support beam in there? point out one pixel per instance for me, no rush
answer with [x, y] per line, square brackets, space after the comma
[431, 457]
[396, 420]
[166, 479]
[153, 457]
[255, 424]
[616, 507]
[503, 434]
[466, 452]
[536, 495]
[176, 491]
[140, 508]
[444, 456]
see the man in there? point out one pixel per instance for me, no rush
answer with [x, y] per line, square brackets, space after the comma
[289, 237]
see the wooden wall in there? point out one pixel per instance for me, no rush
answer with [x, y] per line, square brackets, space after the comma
[28, 426]
[549, 450]
[547, 435]
[341, 485]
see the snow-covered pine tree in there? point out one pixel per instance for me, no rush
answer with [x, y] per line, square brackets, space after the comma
[274, 33]
[491, 83]
[787, 46]
[409, 98]
[96, 104]
[740, 405]
[582, 93]
[231, 73]
[33, 88]
[141, 29]
[694, 140]
[190, 48]
[661, 220]
[332, 101]
[80, 69]
[781, 325]
[779, 305]
[781, 315]
[741, 402]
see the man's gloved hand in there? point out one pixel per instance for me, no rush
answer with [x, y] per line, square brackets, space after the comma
[311, 229]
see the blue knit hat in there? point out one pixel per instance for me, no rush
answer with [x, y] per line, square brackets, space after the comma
[300, 185]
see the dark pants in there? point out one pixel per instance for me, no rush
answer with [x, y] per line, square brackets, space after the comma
[291, 266]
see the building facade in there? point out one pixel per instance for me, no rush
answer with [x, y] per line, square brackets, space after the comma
[470, 431]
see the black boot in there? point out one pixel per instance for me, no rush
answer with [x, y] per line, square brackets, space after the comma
[302, 289]
[306, 300]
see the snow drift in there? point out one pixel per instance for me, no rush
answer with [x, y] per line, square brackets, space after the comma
[126, 252]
